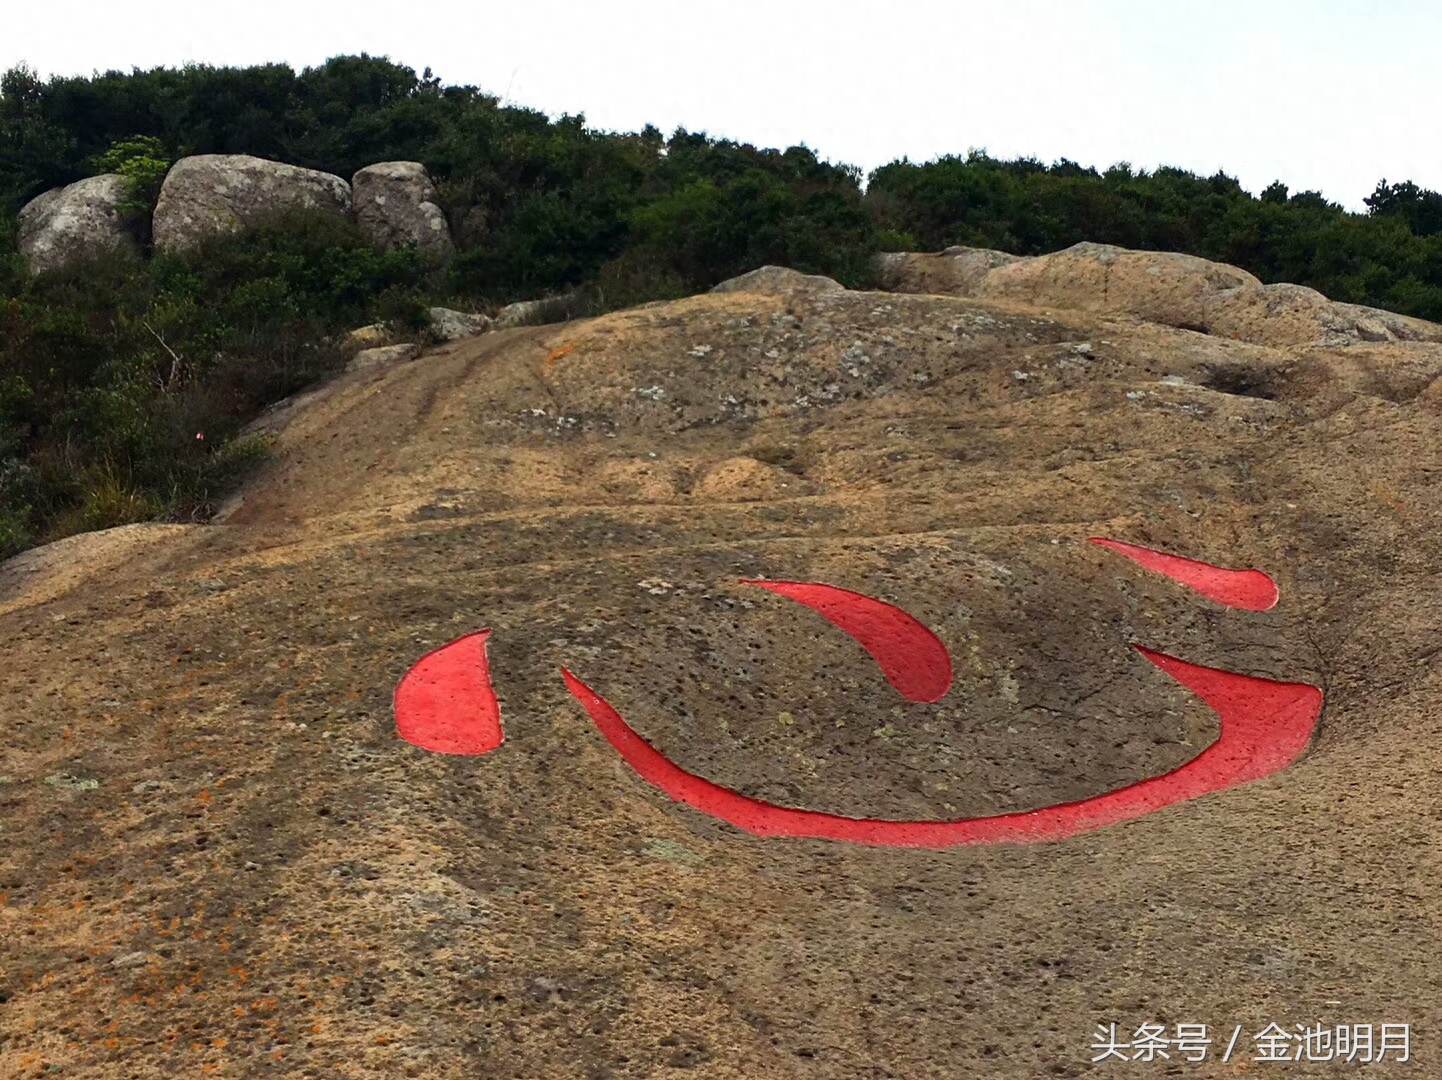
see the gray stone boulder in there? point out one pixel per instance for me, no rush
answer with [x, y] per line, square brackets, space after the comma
[383, 356]
[209, 194]
[80, 220]
[450, 325]
[1172, 289]
[396, 203]
[548, 309]
[957, 271]
[779, 279]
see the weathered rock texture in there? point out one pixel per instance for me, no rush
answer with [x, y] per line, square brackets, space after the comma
[531, 312]
[209, 194]
[80, 220]
[1164, 287]
[778, 279]
[265, 881]
[383, 356]
[396, 203]
[448, 324]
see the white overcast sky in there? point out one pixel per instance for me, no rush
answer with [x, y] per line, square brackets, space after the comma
[1324, 95]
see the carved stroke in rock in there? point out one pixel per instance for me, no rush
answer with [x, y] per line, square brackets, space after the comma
[446, 703]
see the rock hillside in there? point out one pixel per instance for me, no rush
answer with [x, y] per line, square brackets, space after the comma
[219, 858]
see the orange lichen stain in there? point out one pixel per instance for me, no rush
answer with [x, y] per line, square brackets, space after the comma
[556, 354]
[239, 974]
[203, 796]
[1389, 496]
[383, 1040]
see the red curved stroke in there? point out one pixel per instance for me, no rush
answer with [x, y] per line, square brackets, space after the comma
[446, 703]
[912, 658]
[1250, 590]
[1264, 726]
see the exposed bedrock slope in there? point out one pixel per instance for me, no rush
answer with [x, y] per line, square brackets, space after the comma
[594, 492]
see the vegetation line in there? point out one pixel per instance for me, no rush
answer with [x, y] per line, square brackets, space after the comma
[125, 381]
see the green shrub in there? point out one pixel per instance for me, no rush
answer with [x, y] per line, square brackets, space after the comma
[124, 383]
[143, 161]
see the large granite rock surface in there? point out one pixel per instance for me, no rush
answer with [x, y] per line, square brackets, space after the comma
[212, 194]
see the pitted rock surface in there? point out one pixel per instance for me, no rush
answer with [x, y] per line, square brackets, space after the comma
[210, 194]
[448, 324]
[1164, 287]
[396, 204]
[79, 220]
[778, 279]
[263, 880]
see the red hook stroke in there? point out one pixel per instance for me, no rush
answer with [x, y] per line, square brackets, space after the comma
[1265, 725]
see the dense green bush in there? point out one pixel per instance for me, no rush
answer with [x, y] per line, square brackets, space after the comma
[123, 382]
[143, 163]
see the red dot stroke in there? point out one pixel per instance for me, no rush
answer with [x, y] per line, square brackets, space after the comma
[446, 703]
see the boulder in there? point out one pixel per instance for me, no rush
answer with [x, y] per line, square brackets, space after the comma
[779, 279]
[450, 325]
[383, 357]
[210, 194]
[1168, 288]
[1163, 287]
[957, 271]
[396, 203]
[80, 220]
[548, 309]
